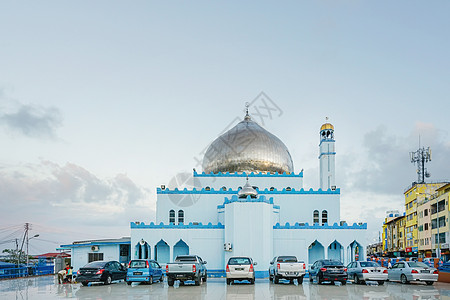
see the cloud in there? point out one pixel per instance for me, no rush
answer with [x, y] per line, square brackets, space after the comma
[33, 121]
[383, 164]
[54, 193]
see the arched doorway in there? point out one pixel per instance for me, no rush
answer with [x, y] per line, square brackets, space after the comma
[315, 252]
[180, 248]
[335, 251]
[162, 252]
[356, 251]
[143, 250]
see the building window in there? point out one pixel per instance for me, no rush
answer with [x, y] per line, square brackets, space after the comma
[426, 226]
[172, 216]
[180, 216]
[425, 212]
[95, 257]
[316, 217]
[324, 217]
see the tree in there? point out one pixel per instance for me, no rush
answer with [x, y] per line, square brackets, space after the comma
[15, 256]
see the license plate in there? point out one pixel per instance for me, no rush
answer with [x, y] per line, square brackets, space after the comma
[137, 273]
[180, 275]
[239, 269]
[425, 271]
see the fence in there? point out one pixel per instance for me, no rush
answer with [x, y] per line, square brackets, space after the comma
[23, 271]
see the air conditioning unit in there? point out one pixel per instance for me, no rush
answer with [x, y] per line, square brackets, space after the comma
[94, 248]
[227, 247]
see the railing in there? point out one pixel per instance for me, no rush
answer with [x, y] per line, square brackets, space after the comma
[23, 271]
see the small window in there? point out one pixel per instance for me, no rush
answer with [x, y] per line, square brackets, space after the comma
[172, 216]
[288, 188]
[207, 188]
[224, 188]
[324, 217]
[95, 257]
[272, 188]
[180, 216]
[316, 216]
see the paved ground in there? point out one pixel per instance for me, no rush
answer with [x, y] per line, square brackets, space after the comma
[46, 288]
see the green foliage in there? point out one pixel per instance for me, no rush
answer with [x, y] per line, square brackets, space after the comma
[15, 256]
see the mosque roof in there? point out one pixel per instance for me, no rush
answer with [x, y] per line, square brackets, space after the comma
[327, 126]
[247, 147]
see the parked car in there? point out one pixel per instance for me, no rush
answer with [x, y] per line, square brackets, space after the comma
[240, 268]
[406, 271]
[287, 267]
[101, 271]
[186, 267]
[144, 270]
[361, 271]
[328, 270]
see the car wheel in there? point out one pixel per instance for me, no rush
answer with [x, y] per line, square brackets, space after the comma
[276, 279]
[252, 281]
[291, 281]
[429, 282]
[403, 279]
[85, 283]
[300, 280]
[310, 278]
[228, 281]
[150, 280]
[344, 282]
[356, 279]
[170, 282]
[197, 280]
[108, 280]
[205, 277]
[181, 282]
[380, 282]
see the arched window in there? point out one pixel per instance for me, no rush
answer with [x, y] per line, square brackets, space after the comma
[316, 217]
[172, 216]
[224, 188]
[180, 216]
[272, 188]
[207, 188]
[288, 188]
[324, 217]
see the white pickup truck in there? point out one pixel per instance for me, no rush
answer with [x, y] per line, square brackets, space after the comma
[186, 267]
[287, 267]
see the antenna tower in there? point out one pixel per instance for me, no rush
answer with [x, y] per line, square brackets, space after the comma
[421, 156]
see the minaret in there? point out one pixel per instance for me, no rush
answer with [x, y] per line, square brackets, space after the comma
[327, 157]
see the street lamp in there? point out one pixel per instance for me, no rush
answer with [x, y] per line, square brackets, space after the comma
[28, 240]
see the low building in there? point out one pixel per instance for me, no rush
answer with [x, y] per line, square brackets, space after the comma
[394, 235]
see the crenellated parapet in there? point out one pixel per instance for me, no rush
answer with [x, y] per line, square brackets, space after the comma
[191, 225]
[318, 226]
[231, 191]
[248, 199]
[245, 174]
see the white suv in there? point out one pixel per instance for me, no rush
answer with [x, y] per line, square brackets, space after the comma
[240, 268]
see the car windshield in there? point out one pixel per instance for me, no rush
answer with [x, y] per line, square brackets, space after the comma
[186, 258]
[138, 264]
[239, 261]
[332, 263]
[366, 264]
[417, 264]
[291, 259]
[95, 264]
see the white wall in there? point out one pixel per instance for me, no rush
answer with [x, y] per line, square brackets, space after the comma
[80, 254]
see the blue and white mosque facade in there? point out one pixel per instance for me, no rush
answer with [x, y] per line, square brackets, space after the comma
[248, 201]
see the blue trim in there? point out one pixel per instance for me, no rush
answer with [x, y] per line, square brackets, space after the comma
[234, 192]
[326, 140]
[318, 226]
[234, 198]
[95, 244]
[179, 226]
[327, 153]
[244, 174]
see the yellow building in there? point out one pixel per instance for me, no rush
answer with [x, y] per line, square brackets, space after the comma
[394, 235]
[415, 197]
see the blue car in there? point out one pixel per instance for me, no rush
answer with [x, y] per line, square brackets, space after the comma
[144, 270]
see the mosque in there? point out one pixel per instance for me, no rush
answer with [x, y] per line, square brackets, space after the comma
[248, 201]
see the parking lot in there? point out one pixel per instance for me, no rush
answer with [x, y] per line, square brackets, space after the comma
[46, 287]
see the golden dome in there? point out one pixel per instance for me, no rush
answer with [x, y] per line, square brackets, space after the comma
[327, 126]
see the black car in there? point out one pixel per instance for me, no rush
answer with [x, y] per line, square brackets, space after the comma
[101, 271]
[328, 270]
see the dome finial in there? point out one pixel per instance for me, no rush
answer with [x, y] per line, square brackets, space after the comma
[247, 116]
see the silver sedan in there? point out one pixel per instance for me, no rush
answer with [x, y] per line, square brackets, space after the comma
[361, 271]
[406, 271]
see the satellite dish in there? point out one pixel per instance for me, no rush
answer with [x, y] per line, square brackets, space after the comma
[142, 242]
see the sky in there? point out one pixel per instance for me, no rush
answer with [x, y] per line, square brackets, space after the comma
[103, 101]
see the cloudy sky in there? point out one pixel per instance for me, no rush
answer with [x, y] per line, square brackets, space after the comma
[103, 101]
